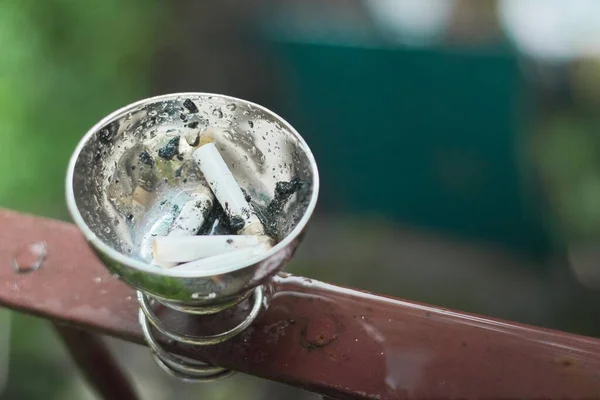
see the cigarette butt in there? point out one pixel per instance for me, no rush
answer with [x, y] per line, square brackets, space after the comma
[159, 228]
[253, 227]
[193, 213]
[185, 249]
[190, 219]
[220, 261]
[226, 189]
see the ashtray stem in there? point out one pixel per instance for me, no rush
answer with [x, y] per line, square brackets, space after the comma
[182, 367]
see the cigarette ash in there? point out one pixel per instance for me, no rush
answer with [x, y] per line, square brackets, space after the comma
[219, 223]
[246, 196]
[191, 106]
[146, 158]
[169, 150]
[163, 169]
[271, 216]
[283, 192]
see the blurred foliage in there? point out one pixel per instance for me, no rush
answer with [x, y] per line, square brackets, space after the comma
[37, 367]
[64, 65]
[567, 150]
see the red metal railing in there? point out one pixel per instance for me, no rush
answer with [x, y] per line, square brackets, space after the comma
[339, 342]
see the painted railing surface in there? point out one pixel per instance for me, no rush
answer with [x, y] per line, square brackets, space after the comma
[339, 342]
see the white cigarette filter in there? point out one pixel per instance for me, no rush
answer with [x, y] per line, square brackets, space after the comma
[193, 213]
[159, 228]
[189, 220]
[185, 249]
[215, 263]
[226, 189]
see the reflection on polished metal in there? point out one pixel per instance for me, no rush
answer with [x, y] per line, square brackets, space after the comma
[180, 367]
[204, 310]
[201, 340]
[134, 170]
[188, 376]
[261, 149]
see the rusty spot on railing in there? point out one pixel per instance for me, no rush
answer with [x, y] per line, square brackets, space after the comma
[319, 332]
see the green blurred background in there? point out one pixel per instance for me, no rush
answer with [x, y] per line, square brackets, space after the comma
[457, 142]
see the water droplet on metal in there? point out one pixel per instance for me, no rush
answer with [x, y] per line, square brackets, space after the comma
[152, 113]
[228, 135]
[231, 107]
[251, 124]
[217, 113]
[31, 258]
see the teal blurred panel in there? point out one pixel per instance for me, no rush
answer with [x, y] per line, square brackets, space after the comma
[426, 137]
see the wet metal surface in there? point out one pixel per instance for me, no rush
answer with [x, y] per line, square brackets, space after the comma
[30, 258]
[132, 170]
[340, 342]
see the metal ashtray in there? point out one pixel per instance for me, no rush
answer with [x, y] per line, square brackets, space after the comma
[135, 170]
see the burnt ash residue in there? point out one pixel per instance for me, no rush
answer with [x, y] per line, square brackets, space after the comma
[218, 222]
[283, 191]
[146, 158]
[246, 195]
[191, 106]
[236, 223]
[170, 150]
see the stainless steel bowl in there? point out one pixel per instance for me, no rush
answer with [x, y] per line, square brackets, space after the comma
[111, 161]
